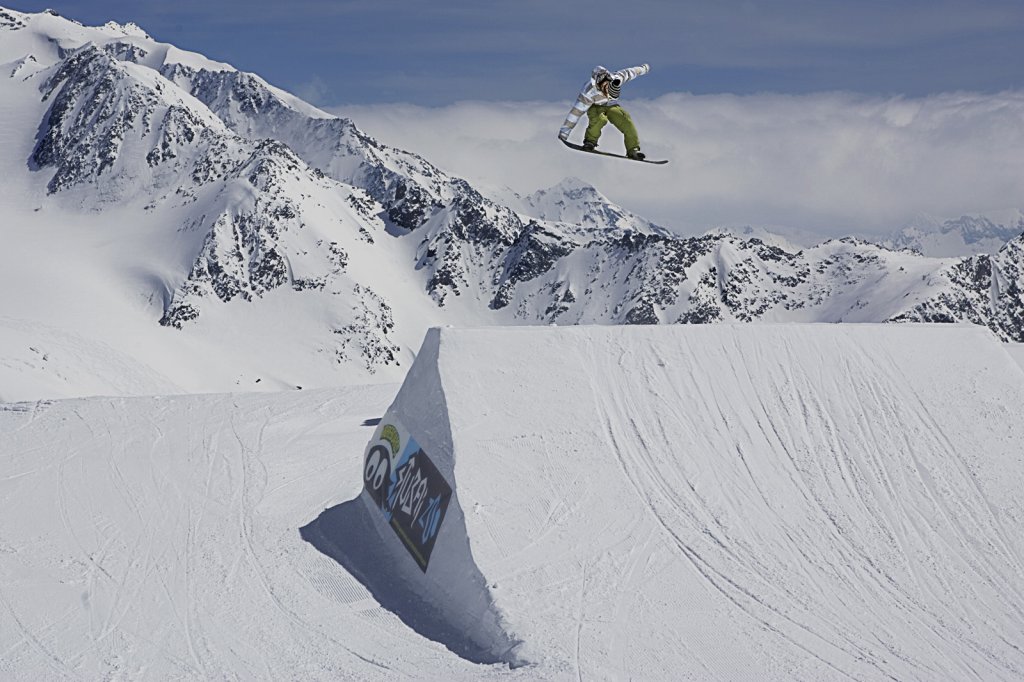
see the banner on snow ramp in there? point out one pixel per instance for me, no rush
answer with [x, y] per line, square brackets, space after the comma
[407, 489]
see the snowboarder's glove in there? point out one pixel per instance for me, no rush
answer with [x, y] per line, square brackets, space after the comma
[563, 134]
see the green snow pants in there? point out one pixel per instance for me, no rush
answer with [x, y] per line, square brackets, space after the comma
[619, 117]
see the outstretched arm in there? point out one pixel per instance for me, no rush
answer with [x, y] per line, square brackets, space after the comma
[632, 72]
[583, 102]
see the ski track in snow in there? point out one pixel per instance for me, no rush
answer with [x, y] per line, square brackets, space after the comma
[656, 504]
[783, 502]
[799, 502]
[158, 537]
[662, 497]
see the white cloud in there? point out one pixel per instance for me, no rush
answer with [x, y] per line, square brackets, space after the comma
[829, 162]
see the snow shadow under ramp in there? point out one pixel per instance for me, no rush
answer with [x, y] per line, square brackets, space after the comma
[434, 585]
[704, 502]
[342, 533]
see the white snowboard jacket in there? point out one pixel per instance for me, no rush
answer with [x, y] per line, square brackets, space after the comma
[591, 95]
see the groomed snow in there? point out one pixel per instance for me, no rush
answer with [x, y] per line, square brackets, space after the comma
[158, 538]
[678, 502]
[1016, 351]
[728, 502]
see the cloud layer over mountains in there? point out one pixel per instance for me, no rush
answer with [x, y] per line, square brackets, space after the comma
[832, 163]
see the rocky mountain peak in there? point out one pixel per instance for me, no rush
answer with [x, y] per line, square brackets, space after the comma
[129, 29]
[271, 199]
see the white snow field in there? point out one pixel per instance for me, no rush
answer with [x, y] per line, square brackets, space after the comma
[713, 502]
[1016, 351]
[158, 538]
[676, 502]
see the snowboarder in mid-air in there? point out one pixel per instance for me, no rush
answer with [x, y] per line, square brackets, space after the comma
[599, 100]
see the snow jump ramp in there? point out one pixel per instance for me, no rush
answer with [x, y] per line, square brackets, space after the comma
[702, 502]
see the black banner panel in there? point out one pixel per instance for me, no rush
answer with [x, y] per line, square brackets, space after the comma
[408, 489]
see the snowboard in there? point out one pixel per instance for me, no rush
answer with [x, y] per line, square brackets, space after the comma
[581, 148]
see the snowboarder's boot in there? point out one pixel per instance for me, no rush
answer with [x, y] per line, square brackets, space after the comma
[589, 146]
[636, 154]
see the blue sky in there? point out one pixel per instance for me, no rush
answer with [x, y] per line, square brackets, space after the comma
[433, 52]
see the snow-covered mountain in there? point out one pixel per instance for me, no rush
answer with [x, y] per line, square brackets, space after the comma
[964, 236]
[192, 219]
[574, 201]
[169, 224]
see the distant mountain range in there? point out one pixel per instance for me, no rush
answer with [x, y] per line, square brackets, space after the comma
[967, 235]
[275, 240]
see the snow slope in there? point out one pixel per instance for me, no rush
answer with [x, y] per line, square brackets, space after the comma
[127, 201]
[678, 502]
[157, 538]
[1016, 351]
[719, 502]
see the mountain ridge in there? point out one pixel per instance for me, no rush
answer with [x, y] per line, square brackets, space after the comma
[964, 236]
[263, 193]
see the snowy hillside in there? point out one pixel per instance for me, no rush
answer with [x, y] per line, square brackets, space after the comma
[714, 502]
[156, 538]
[596, 467]
[1016, 351]
[175, 225]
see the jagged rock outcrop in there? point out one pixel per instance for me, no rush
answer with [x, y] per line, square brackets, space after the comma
[984, 290]
[272, 194]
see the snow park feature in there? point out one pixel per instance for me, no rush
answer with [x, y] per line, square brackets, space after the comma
[781, 499]
[676, 502]
[705, 502]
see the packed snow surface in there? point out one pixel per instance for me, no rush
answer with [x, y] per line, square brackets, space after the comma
[1016, 351]
[157, 538]
[678, 502]
[790, 501]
